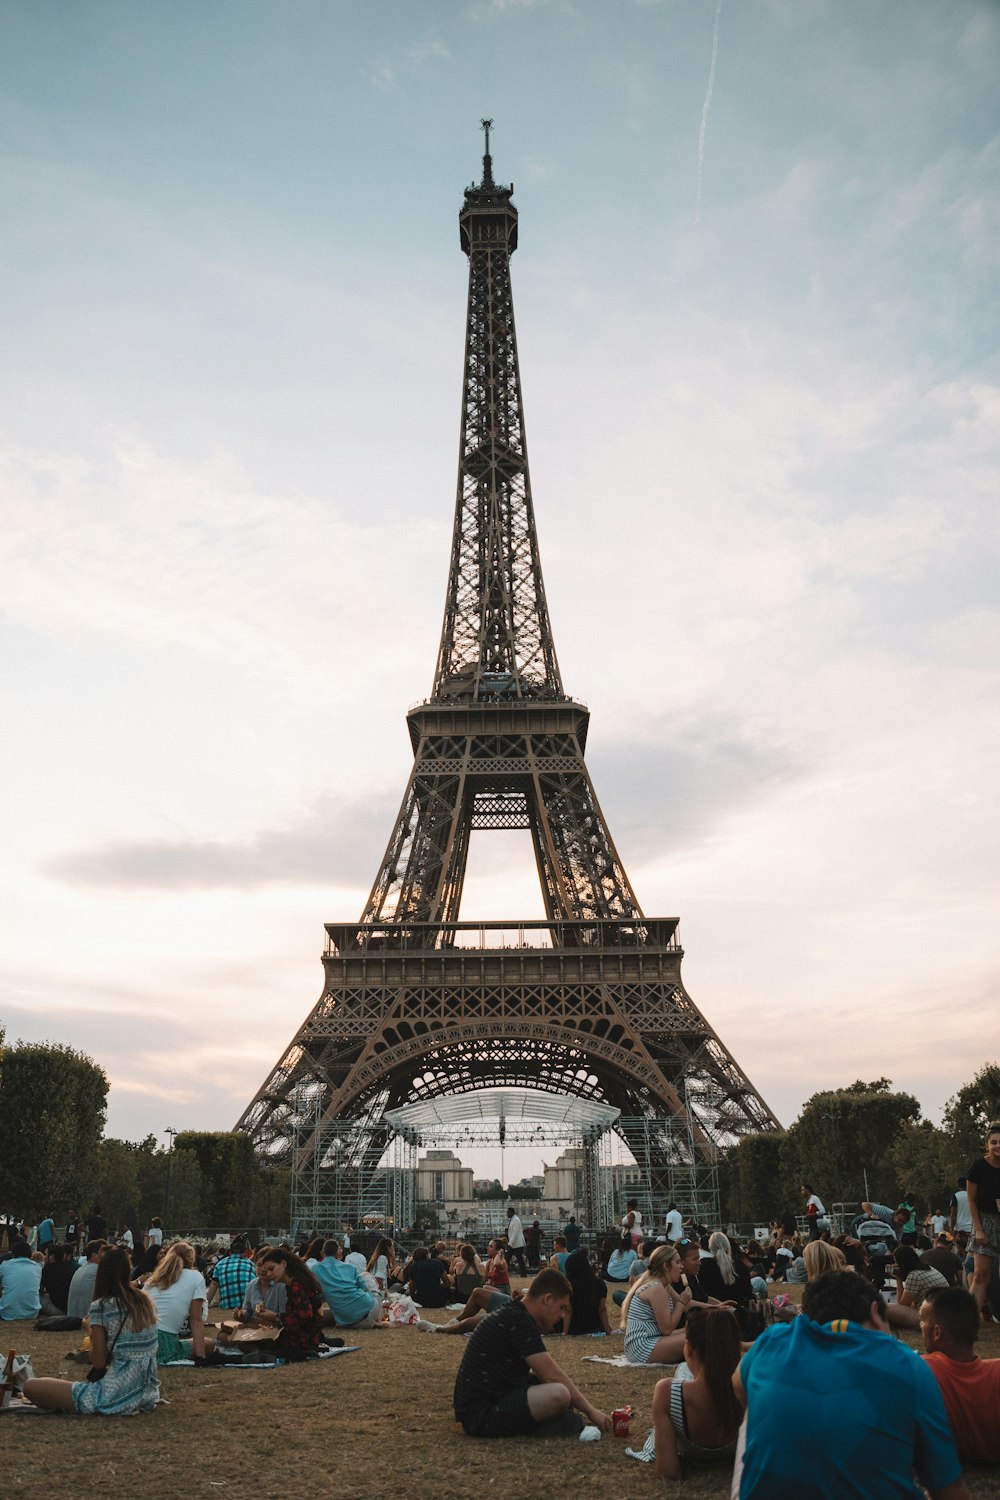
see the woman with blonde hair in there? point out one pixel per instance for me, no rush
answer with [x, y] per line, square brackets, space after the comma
[177, 1291]
[820, 1256]
[122, 1377]
[653, 1309]
[723, 1277]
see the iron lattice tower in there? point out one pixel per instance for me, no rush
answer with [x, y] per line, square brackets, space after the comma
[415, 1003]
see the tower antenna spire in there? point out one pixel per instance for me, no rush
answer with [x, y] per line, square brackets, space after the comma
[487, 158]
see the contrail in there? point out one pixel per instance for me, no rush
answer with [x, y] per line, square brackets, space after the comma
[704, 111]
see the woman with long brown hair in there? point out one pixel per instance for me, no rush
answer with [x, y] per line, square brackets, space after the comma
[301, 1323]
[700, 1417]
[382, 1265]
[122, 1376]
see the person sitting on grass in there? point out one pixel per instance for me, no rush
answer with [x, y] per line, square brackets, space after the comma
[590, 1297]
[560, 1253]
[696, 1414]
[382, 1265]
[641, 1264]
[20, 1279]
[497, 1273]
[914, 1281]
[177, 1291]
[81, 1288]
[949, 1323]
[427, 1280]
[57, 1275]
[300, 1322]
[123, 1343]
[836, 1407]
[622, 1258]
[467, 1271]
[262, 1292]
[508, 1385]
[231, 1275]
[653, 1310]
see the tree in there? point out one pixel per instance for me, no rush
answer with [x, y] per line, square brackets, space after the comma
[184, 1212]
[116, 1181]
[968, 1113]
[229, 1174]
[750, 1179]
[924, 1159]
[843, 1133]
[52, 1110]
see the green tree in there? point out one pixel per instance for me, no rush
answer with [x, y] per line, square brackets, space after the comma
[184, 1211]
[971, 1110]
[750, 1179]
[924, 1159]
[229, 1172]
[116, 1181]
[843, 1133]
[52, 1110]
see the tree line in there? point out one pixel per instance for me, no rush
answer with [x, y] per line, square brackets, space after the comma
[54, 1155]
[866, 1140]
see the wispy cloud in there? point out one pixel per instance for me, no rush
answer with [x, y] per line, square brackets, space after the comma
[335, 844]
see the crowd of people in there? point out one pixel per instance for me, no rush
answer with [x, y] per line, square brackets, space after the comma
[808, 1398]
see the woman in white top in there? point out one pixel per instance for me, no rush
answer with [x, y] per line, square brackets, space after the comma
[382, 1264]
[632, 1221]
[177, 1291]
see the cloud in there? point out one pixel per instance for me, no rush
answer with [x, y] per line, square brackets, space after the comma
[674, 790]
[333, 845]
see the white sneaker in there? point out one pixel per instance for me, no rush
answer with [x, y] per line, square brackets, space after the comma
[590, 1434]
[426, 1326]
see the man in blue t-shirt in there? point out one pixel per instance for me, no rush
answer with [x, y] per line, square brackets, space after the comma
[838, 1410]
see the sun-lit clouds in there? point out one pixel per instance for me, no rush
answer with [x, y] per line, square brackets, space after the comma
[764, 462]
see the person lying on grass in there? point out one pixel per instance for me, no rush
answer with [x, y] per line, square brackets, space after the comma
[508, 1385]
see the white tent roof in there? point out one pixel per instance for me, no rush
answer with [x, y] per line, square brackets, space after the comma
[503, 1104]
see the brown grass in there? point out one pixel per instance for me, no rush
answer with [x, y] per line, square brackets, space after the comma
[377, 1424]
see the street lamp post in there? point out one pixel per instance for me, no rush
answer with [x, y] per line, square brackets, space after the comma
[170, 1158]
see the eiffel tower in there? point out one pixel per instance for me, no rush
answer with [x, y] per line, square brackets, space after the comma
[588, 1002]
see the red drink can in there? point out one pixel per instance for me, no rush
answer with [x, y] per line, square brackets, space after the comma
[621, 1417]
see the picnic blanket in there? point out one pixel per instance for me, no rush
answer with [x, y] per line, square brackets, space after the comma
[272, 1364]
[622, 1362]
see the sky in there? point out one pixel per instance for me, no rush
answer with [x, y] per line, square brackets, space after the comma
[757, 313]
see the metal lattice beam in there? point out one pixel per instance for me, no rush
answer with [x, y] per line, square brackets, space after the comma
[588, 1003]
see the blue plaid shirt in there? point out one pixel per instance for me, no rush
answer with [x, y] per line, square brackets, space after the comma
[233, 1273]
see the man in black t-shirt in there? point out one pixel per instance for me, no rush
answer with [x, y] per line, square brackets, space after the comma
[983, 1187]
[427, 1279]
[96, 1227]
[508, 1385]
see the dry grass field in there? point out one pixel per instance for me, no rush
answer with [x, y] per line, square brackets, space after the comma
[376, 1424]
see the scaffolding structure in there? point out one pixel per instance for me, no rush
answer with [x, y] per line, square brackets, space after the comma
[363, 1172]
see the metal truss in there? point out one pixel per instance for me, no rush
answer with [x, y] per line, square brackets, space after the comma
[496, 640]
[594, 1009]
[589, 1002]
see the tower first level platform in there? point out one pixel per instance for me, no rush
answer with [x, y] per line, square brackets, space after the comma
[591, 1008]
